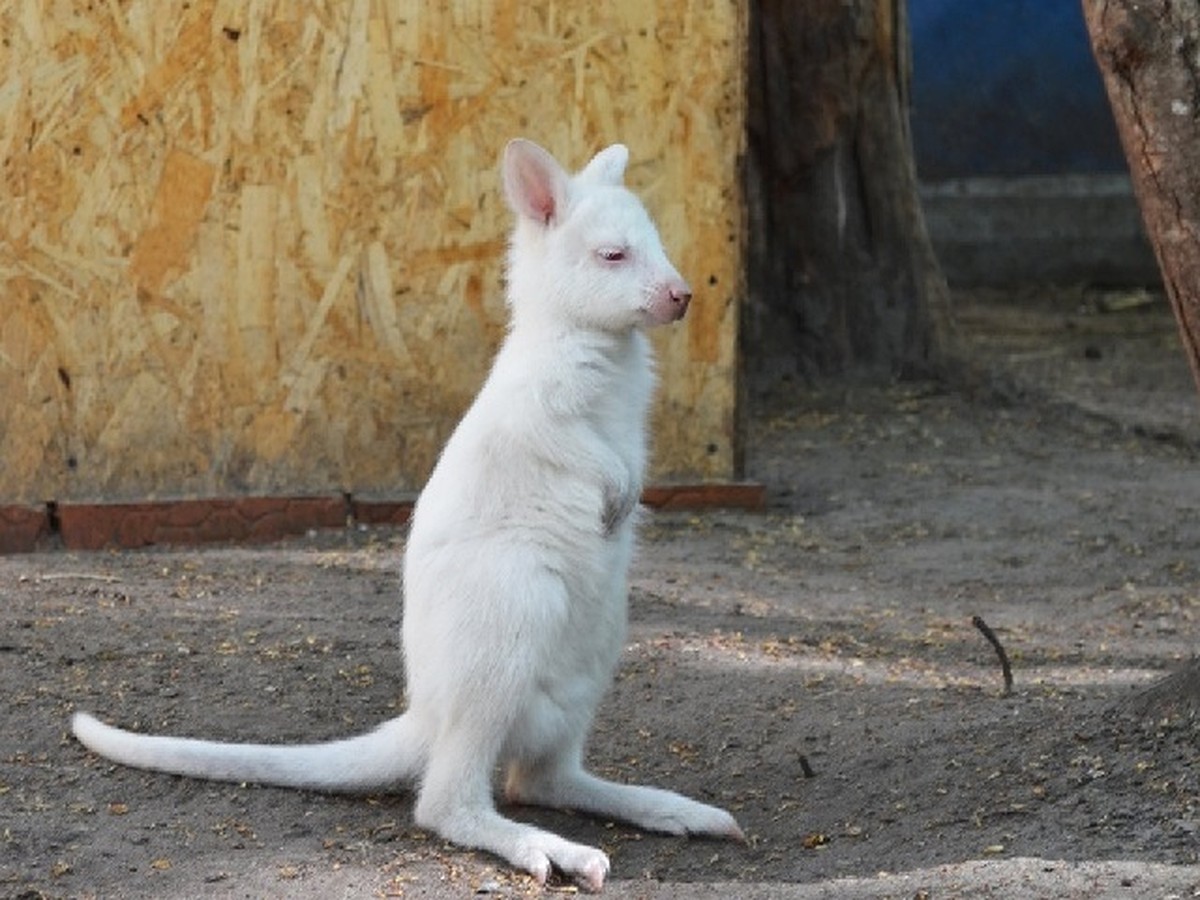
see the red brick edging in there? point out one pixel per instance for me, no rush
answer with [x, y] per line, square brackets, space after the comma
[96, 526]
[24, 528]
[724, 495]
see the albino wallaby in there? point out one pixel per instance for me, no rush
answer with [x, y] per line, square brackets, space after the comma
[516, 564]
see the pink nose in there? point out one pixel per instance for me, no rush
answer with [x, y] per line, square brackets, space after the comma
[681, 296]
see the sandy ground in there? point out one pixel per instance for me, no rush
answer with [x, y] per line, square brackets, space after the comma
[814, 668]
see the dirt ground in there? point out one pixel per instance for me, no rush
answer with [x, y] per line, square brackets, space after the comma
[813, 668]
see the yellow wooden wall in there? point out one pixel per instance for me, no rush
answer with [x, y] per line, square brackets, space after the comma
[255, 247]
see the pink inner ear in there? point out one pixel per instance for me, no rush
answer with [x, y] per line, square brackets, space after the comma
[533, 193]
[534, 183]
[539, 197]
[544, 204]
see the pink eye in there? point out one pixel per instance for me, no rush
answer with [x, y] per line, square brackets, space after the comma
[611, 254]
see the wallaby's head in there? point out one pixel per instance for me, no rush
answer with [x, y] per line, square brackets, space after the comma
[584, 251]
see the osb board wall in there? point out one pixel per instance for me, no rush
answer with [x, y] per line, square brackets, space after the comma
[255, 247]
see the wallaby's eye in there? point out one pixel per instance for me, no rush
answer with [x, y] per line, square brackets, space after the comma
[611, 254]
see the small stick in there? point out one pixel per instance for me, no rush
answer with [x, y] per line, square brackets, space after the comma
[987, 632]
[805, 767]
[83, 576]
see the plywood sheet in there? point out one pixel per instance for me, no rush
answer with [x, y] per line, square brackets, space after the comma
[255, 248]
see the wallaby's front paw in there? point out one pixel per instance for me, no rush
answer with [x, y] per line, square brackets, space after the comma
[619, 504]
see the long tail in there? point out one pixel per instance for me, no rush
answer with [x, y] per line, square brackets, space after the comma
[392, 753]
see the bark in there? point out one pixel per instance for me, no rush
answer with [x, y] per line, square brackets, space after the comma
[1147, 51]
[1149, 55]
[842, 276]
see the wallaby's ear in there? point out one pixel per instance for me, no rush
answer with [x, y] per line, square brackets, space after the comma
[607, 166]
[534, 183]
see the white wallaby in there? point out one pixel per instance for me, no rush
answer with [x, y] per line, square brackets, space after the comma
[516, 565]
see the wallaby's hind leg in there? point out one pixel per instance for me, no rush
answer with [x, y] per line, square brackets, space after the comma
[456, 801]
[561, 781]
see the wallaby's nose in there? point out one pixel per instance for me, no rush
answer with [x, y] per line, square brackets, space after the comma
[681, 296]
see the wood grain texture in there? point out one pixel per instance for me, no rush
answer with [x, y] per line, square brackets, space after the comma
[255, 249]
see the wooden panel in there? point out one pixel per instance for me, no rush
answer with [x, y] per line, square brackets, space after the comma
[256, 248]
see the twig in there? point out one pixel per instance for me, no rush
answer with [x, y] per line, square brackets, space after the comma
[82, 576]
[805, 767]
[987, 632]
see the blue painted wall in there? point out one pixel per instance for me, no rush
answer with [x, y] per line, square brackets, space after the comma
[1007, 88]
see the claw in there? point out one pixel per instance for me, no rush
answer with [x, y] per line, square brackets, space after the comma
[593, 874]
[540, 871]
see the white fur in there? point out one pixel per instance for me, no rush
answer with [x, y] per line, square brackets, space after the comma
[515, 570]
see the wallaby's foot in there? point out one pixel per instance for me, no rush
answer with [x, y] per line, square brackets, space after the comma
[647, 807]
[692, 817]
[523, 846]
[587, 866]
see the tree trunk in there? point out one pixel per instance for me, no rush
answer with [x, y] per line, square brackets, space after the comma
[842, 277]
[1147, 52]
